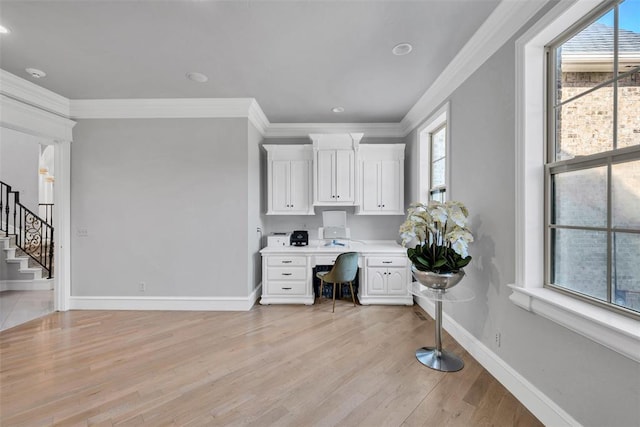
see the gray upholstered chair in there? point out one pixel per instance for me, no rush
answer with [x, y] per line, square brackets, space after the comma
[344, 271]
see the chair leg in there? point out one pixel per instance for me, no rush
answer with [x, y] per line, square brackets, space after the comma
[353, 297]
[320, 287]
[334, 298]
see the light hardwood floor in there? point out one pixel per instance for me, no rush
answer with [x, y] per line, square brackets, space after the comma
[273, 365]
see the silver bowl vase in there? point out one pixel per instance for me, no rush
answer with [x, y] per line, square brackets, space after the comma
[435, 357]
[437, 281]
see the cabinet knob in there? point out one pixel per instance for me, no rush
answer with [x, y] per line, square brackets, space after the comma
[383, 206]
[338, 197]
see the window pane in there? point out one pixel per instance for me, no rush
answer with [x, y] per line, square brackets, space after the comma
[580, 198]
[629, 108]
[580, 261]
[437, 173]
[628, 35]
[585, 125]
[626, 270]
[586, 60]
[625, 195]
[437, 195]
[439, 139]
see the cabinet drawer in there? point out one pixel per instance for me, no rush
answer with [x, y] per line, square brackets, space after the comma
[286, 260]
[287, 288]
[286, 273]
[386, 261]
[326, 259]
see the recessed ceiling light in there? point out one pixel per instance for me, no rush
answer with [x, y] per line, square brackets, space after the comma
[4, 30]
[197, 77]
[402, 49]
[338, 109]
[35, 73]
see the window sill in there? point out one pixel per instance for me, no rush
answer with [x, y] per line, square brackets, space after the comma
[612, 330]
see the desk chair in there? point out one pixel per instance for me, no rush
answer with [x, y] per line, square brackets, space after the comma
[344, 271]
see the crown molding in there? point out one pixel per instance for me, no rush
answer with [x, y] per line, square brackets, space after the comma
[160, 108]
[258, 118]
[30, 93]
[298, 130]
[18, 115]
[508, 17]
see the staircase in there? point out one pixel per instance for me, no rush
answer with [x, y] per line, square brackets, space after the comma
[26, 244]
[20, 272]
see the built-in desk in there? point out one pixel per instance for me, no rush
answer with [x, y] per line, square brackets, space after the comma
[287, 272]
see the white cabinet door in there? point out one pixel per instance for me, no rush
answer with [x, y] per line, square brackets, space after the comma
[280, 185]
[344, 176]
[289, 190]
[389, 184]
[370, 198]
[326, 176]
[299, 200]
[396, 281]
[380, 179]
[376, 278]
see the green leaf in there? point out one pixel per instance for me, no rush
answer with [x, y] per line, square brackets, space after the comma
[439, 263]
[463, 262]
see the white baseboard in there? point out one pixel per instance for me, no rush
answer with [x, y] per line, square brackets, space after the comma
[26, 285]
[540, 405]
[165, 303]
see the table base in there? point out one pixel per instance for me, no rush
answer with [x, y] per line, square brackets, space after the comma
[445, 361]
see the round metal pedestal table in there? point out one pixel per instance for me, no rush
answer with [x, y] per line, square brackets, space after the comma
[435, 357]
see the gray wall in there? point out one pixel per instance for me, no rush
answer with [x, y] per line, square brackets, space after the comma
[363, 227]
[595, 385]
[162, 201]
[19, 164]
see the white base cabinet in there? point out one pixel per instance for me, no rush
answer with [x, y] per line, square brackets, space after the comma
[287, 272]
[286, 279]
[386, 280]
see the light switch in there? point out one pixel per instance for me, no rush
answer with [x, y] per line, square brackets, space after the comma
[82, 232]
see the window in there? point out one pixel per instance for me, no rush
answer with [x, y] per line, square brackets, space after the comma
[608, 327]
[438, 166]
[592, 170]
[434, 159]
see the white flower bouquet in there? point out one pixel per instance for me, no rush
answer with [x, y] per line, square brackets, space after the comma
[442, 234]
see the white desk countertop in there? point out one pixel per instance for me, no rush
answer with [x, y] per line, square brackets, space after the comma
[318, 246]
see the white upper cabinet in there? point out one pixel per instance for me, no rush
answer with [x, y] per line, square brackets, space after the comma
[289, 179]
[381, 183]
[335, 168]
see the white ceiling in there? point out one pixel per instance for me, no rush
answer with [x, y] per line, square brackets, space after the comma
[297, 58]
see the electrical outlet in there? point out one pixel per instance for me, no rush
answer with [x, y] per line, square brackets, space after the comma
[142, 286]
[498, 339]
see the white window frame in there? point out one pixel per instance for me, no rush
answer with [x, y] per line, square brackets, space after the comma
[434, 123]
[613, 330]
